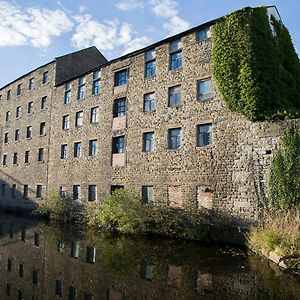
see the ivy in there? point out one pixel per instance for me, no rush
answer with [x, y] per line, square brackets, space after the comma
[284, 183]
[258, 74]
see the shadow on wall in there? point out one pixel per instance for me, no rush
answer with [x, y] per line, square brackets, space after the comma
[18, 196]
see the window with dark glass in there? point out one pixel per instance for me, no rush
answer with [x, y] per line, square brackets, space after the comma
[92, 193]
[15, 158]
[204, 89]
[203, 34]
[36, 239]
[174, 96]
[13, 190]
[29, 132]
[66, 122]
[67, 97]
[147, 194]
[148, 141]
[35, 277]
[44, 102]
[174, 138]
[77, 149]
[118, 145]
[63, 151]
[81, 88]
[9, 264]
[121, 77]
[75, 249]
[149, 102]
[95, 114]
[8, 95]
[25, 191]
[30, 107]
[175, 55]
[76, 192]
[39, 189]
[63, 191]
[150, 63]
[4, 160]
[72, 293]
[3, 189]
[41, 154]
[88, 296]
[119, 107]
[19, 89]
[42, 128]
[7, 116]
[90, 254]
[26, 156]
[96, 82]
[23, 234]
[17, 135]
[92, 147]
[6, 137]
[21, 270]
[18, 112]
[58, 287]
[31, 84]
[204, 135]
[8, 289]
[79, 119]
[45, 78]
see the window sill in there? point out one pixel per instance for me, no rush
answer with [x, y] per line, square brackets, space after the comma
[150, 77]
[204, 99]
[174, 150]
[175, 70]
[27, 164]
[42, 135]
[18, 141]
[40, 161]
[30, 113]
[43, 109]
[29, 138]
[205, 147]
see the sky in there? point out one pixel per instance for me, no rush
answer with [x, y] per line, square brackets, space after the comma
[34, 32]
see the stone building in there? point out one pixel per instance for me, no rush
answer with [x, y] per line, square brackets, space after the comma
[152, 121]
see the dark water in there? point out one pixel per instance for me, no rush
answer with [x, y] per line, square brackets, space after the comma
[39, 261]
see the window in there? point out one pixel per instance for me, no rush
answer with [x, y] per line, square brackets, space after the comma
[88, 296]
[35, 277]
[66, 122]
[8, 96]
[26, 157]
[76, 192]
[63, 191]
[43, 128]
[5, 137]
[92, 193]
[4, 160]
[148, 141]
[19, 89]
[77, 149]
[29, 132]
[149, 102]
[174, 96]
[121, 77]
[95, 114]
[44, 102]
[118, 145]
[15, 158]
[119, 107]
[25, 191]
[58, 287]
[3, 188]
[175, 55]
[7, 116]
[79, 119]
[150, 63]
[45, 78]
[8, 289]
[39, 189]
[9, 264]
[31, 84]
[90, 254]
[72, 293]
[36, 239]
[17, 135]
[75, 249]
[41, 154]
[23, 234]
[81, 88]
[204, 89]
[30, 107]
[204, 135]
[174, 138]
[203, 34]
[96, 82]
[92, 147]
[147, 194]
[67, 98]
[18, 112]
[21, 270]
[63, 151]
[13, 190]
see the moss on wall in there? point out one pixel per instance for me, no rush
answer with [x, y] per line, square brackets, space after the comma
[258, 73]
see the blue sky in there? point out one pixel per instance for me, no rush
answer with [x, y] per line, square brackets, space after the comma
[33, 32]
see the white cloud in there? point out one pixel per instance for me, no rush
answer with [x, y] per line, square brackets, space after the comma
[128, 5]
[106, 36]
[167, 9]
[33, 26]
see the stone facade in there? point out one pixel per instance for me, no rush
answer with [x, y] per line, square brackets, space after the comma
[227, 174]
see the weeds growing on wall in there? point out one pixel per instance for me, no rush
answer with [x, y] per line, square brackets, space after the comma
[257, 73]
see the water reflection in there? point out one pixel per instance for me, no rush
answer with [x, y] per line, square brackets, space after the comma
[43, 262]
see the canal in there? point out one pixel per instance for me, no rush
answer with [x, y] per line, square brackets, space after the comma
[39, 261]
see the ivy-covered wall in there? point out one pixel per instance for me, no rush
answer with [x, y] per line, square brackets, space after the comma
[258, 73]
